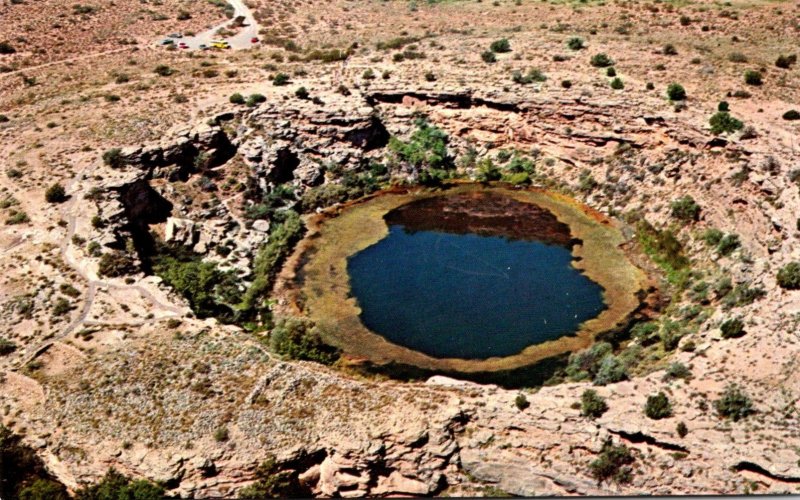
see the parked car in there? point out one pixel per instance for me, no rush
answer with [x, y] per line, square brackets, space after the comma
[204, 47]
[175, 35]
[167, 41]
[254, 39]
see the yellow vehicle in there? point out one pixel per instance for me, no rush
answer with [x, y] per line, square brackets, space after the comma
[220, 44]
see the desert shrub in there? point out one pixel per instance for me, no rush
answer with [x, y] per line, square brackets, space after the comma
[430, 76]
[584, 364]
[676, 92]
[592, 405]
[426, 151]
[502, 45]
[611, 72]
[645, 333]
[17, 217]
[113, 158]
[601, 60]
[301, 93]
[677, 370]
[533, 75]
[685, 209]
[236, 98]
[43, 489]
[575, 43]
[6, 48]
[613, 464]
[712, 236]
[488, 56]
[791, 115]
[658, 406]
[163, 70]
[611, 370]
[753, 77]
[737, 57]
[210, 291]
[723, 106]
[685, 20]
[732, 328]
[115, 264]
[521, 402]
[55, 194]
[617, 84]
[650, 86]
[328, 56]
[566, 84]
[722, 122]
[281, 79]
[789, 276]
[297, 338]
[734, 404]
[664, 248]
[728, 243]
[272, 482]
[785, 62]
[254, 99]
[681, 429]
[669, 50]
[671, 334]
[7, 347]
[221, 434]
[586, 182]
[488, 171]
[116, 486]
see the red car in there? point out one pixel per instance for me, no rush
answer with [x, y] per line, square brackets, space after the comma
[183, 45]
[254, 39]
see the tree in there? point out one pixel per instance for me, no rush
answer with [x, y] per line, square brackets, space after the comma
[732, 328]
[613, 463]
[297, 338]
[658, 406]
[301, 93]
[236, 98]
[55, 194]
[592, 405]
[44, 489]
[502, 45]
[752, 77]
[617, 84]
[734, 404]
[681, 429]
[521, 402]
[611, 370]
[281, 79]
[163, 70]
[601, 60]
[575, 43]
[113, 158]
[685, 209]
[789, 276]
[722, 122]
[272, 482]
[116, 486]
[676, 92]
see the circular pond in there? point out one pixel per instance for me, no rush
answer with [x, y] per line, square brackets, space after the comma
[473, 277]
[469, 279]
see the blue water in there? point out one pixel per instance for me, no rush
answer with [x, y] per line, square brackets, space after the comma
[468, 296]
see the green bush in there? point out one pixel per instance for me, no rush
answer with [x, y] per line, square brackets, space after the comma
[752, 77]
[613, 464]
[113, 158]
[521, 402]
[221, 434]
[281, 79]
[55, 194]
[617, 84]
[610, 371]
[789, 276]
[116, 486]
[502, 45]
[43, 489]
[236, 98]
[669, 50]
[658, 406]
[671, 334]
[734, 404]
[282, 239]
[723, 106]
[681, 429]
[254, 99]
[685, 209]
[272, 482]
[676, 92]
[488, 56]
[791, 115]
[728, 244]
[592, 405]
[645, 333]
[611, 72]
[488, 171]
[584, 364]
[7, 347]
[677, 370]
[6, 48]
[533, 75]
[115, 264]
[297, 338]
[785, 62]
[426, 151]
[301, 93]
[601, 61]
[575, 43]
[732, 328]
[722, 122]
[712, 236]
[163, 70]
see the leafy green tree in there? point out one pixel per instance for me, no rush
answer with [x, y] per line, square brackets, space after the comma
[116, 486]
[44, 489]
[210, 292]
[734, 404]
[426, 151]
[297, 338]
[592, 405]
[55, 194]
[722, 122]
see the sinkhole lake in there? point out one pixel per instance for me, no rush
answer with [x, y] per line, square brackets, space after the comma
[458, 279]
